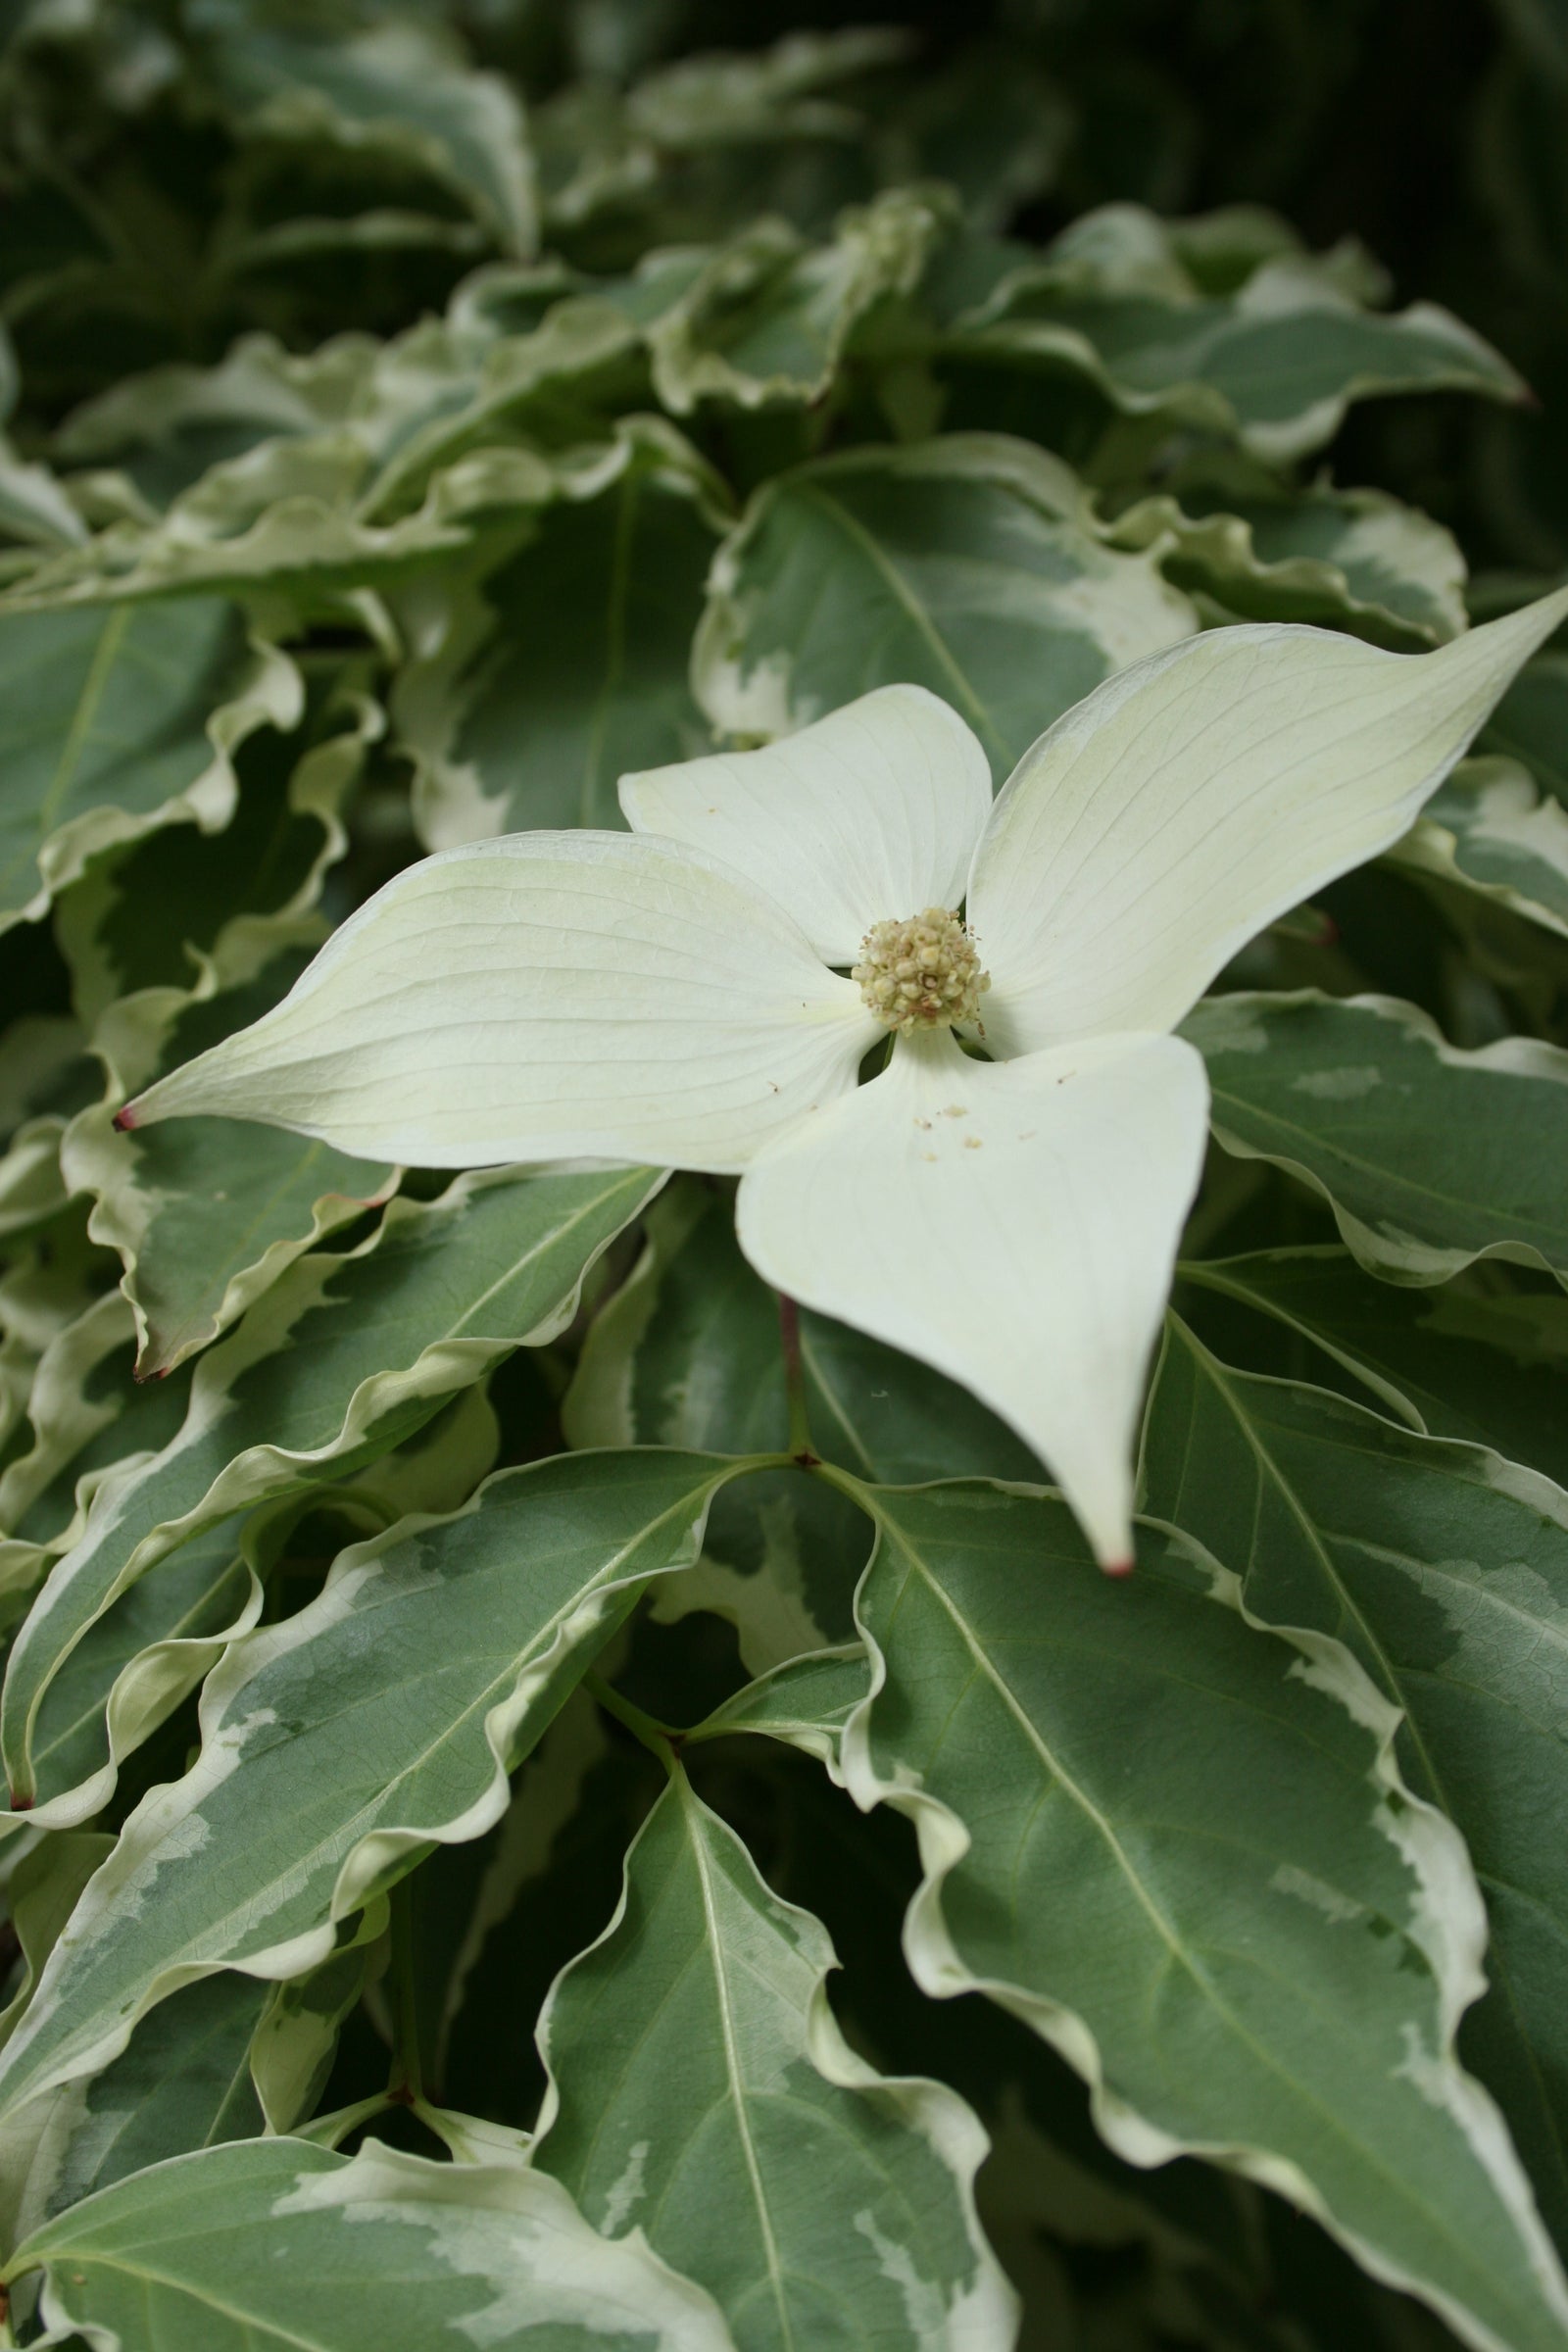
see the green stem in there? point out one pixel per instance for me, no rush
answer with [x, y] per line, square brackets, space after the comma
[326, 2130]
[801, 1448]
[858, 1493]
[660, 1739]
[406, 2082]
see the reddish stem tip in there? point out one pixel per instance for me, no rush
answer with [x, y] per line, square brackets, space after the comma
[125, 1118]
[1116, 1567]
[18, 1801]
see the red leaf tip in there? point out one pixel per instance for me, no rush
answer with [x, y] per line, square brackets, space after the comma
[1116, 1567]
[125, 1118]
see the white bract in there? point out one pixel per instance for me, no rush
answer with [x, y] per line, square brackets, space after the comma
[683, 994]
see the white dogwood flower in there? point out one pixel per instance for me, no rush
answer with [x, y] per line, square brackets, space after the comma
[701, 993]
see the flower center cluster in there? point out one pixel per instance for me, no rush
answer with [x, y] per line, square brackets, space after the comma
[923, 973]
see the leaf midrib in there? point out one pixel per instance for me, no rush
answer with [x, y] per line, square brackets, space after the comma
[94, 686]
[603, 1580]
[915, 613]
[1400, 2186]
[204, 2296]
[1313, 1151]
[1394, 1687]
[734, 2071]
[305, 1458]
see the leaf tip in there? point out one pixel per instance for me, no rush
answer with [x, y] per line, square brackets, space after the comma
[1117, 1567]
[125, 1118]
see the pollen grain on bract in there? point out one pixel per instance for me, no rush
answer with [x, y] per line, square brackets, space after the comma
[921, 973]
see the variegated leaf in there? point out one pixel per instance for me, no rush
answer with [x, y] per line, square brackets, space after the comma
[1180, 1848]
[701, 2091]
[337, 1362]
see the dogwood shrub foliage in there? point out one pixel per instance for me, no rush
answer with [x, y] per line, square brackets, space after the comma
[783, 1369]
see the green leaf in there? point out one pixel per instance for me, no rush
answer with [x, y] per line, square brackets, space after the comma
[702, 2090]
[1490, 830]
[1274, 363]
[806, 1702]
[45, 1886]
[1429, 1157]
[185, 2083]
[296, 2040]
[315, 478]
[437, 1468]
[991, 124]
[1346, 559]
[205, 1214]
[136, 1663]
[33, 507]
[118, 722]
[339, 1746]
[182, 903]
[708, 139]
[887, 1417]
[455, 391]
[73, 1396]
[1181, 1850]
[771, 319]
[1531, 722]
[32, 1188]
[737, 96]
[1449, 1362]
[335, 2252]
[336, 1362]
[163, 429]
[358, 465]
[400, 87]
[687, 1354]
[89, 1418]
[205, 1218]
[966, 563]
[44, 1067]
[527, 1900]
[153, 1644]
[212, 444]
[1445, 1570]
[290, 518]
[532, 695]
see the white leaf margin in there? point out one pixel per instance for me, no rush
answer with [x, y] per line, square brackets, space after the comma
[1449, 1922]
[381, 1855]
[578, 2272]
[257, 1473]
[1510, 813]
[131, 1033]
[1281, 287]
[985, 2318]
[1395, 1257]
[268, 693]
[446, 624]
